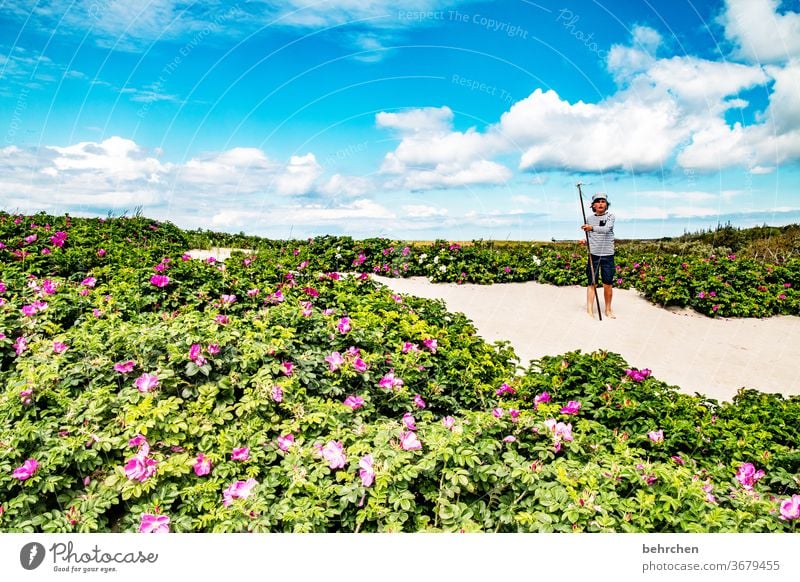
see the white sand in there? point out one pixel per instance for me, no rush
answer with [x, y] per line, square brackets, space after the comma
[713, 357]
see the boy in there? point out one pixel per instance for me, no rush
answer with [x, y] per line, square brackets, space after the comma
[600, 227]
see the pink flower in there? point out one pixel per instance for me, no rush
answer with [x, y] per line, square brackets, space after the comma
[359, 365]
[747, 475]
[228, 299]
[410, 347]
[277, 394]
[418, 401]
[344, 325]
[390, 382]
[497, 412]
[504, 389]
[409, 421]
[222, 319]
[20, 345]
[238, 490]
[125, 367]
[202, 465]
[159, 281]
[59, 347]
[26, 396]
[154, 523]
[678, 459]
[240, 454]
[89, 282]
[140, 468]
[288, 368]
[366, 471]
[656, 436]
[572, 407]
[790, 508]
[213, 349]
[101, 252]
[409, 441]
[430, 344]
[448, 422]
[353, 402]
[543, 397]
[146, 382]
[335, 360]
[195, 355]
[26, 470]
[637, 375]
[285, 442]
[138, 441]
[333, 452]
[509, 439]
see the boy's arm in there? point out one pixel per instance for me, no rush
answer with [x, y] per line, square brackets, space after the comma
[609, 227]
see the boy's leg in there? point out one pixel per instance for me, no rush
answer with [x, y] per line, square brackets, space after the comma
[607, 272]
[608, 292]
[590, 300]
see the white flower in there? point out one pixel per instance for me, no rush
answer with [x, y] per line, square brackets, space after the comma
[443, 268]
[436, 259]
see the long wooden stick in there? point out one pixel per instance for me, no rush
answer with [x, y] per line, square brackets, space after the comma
[588, 248]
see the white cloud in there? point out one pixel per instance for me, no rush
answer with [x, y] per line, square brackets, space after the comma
[299, 176]
[117, 173]
[423, 121]
[362, 210]
[114, 159]
[432, 155]
[243, 169]
[422, 211]
[347, 186]
[621, 133]
[760, 34]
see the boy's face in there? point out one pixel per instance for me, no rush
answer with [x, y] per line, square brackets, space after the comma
[599, 206]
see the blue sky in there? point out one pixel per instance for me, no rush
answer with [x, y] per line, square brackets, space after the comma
[416, 120]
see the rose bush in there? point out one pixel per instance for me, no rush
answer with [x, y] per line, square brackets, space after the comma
[142, 390]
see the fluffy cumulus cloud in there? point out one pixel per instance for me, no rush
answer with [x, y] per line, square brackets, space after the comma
[667, 110]
[115, 173]
[431, 155]
[119, 174]
[630, 132]
[759, 32]
[355, 215]
[299, 176]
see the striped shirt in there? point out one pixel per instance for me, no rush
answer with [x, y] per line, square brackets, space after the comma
[601, 237]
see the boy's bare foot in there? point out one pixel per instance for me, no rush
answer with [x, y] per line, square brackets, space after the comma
[610, 314]
[590, 312]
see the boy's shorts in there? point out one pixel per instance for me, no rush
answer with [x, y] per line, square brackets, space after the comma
[606, 267]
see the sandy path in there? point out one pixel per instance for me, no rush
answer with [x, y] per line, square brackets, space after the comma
[714, 357]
